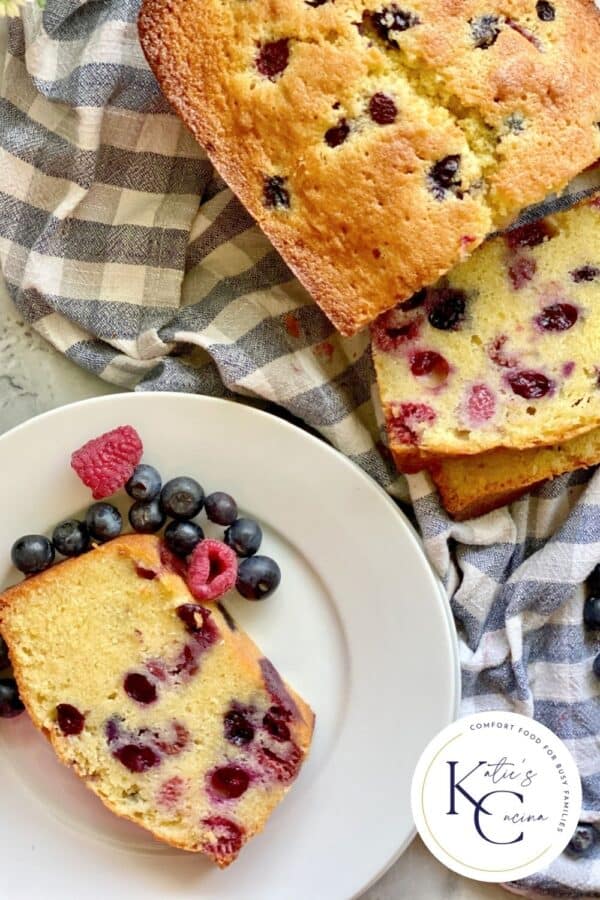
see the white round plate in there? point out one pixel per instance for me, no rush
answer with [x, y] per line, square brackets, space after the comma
[359, 626]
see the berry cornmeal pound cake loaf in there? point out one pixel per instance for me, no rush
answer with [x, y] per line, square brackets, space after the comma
[378, 143]
[503, 352]
[169, 713]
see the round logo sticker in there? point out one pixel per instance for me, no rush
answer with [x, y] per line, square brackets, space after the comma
[496, 796]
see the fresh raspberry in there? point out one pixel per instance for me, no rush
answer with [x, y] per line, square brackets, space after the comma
[212, 570]
[106, 463]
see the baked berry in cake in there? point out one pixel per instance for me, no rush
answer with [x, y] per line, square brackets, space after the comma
[165, 708]
[378, 143]
[503, 352]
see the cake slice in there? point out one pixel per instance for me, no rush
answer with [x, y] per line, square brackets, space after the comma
[503, 352]
[167, 710]
[473, 485]
[378, 143]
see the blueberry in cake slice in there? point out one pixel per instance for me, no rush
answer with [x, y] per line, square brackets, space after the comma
[377, 142]
[167, 711]
[503, 352]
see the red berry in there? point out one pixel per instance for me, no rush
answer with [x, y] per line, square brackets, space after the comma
[212, 570]
[224, 839]
[106, 463]
[408, 420]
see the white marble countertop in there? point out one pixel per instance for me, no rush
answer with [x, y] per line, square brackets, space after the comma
[35, 378]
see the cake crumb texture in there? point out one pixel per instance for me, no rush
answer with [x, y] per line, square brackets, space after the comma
[503, 351]
[174, 719]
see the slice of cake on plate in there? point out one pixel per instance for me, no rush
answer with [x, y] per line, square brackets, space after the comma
[167, 710]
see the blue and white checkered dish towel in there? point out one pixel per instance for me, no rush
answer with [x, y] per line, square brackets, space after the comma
[122, 247]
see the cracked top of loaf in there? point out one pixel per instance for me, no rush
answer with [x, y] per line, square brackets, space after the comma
[378, 143]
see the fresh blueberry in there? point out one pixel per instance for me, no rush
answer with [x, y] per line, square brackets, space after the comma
[4, 657]
[182, 537]
[147, 517]
[258, 577]
[11, 704]
[144, 484]
[244, 536]
[593, 581]
[591, 612]
[71, 538]
[583, 839]
[32, 553]
[103, 521]
[238, 729]
[596, 666]
[221, 508]
[182, 498]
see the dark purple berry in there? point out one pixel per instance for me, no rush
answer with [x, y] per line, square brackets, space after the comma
[275, 193]
[529, 385]
[140, 688]
[258, 577]
[103, 522]
[11, 704]
[144, 484]
[448, 309]
[182, 537]
[70, 720]
[71, 538]
[444, 175]
[32, 553]
[391, 19]
[147, 517]
[193, 616]
[591, 612]
[415, 301]
[221, 508]
[557, 317]
[485, 30]
[593, 580]
[337, 134]
[273, 58]
[428, 362]
[136, 757]
[182, 498]
[382, 109]
[238, 730]
[545, 11]
[274, 723]
[585, 273]
[4, 657]
[244, 536]
[529, 235]
[584, 838]
[229, 782]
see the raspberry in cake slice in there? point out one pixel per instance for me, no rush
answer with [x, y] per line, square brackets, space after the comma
[167, 710]
[503, 352]
[377, 142]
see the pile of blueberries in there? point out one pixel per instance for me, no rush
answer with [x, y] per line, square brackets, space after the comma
[181, 499]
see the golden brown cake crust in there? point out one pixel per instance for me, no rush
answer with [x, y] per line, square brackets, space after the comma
[144, 551]
[366, 227]
[474, 485]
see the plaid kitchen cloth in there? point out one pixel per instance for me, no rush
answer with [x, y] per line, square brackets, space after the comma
[122, 246]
